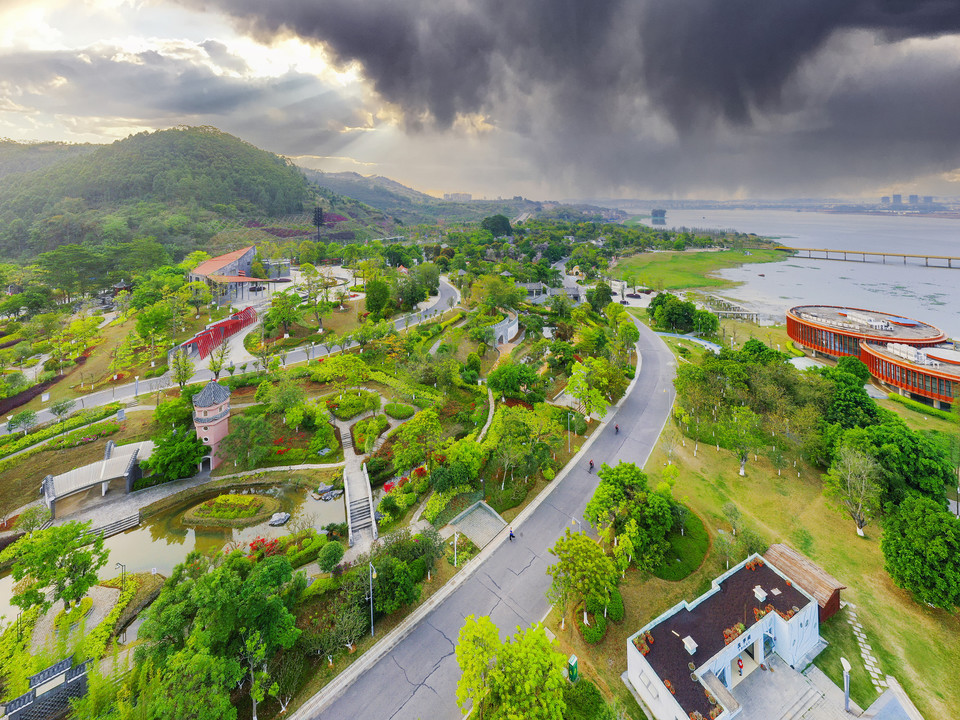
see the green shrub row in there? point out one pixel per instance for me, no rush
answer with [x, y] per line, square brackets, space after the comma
[419, 394]
[85, 435]
[156, 371]
[439, 501]
[921, 407]
[398, 411]
[794, 350]
[94, 643]
[13, 443]
[308, 551]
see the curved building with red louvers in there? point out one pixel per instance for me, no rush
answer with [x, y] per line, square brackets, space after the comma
[912, 357]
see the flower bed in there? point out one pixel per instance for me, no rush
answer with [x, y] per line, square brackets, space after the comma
[232, 510]
[14, 443]
[85, 435]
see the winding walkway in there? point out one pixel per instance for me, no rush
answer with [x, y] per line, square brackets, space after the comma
[412, 671]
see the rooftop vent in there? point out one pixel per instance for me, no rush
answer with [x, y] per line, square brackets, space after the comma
[759, 593]
[690, 644]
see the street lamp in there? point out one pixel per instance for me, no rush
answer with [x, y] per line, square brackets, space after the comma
[373, 576]
[123, 575]
[454, 548]
[574, 521]
[136, 386]
[846, 684]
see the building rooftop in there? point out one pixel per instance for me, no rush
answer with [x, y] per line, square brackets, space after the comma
[882, 326]
[706, 620]
[943, 361]
[804, 572]
[213, 394]
[211, 266]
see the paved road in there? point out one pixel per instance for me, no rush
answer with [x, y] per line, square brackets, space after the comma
[417, 678]
[126, 393]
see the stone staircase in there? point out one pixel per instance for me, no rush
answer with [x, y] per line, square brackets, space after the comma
[346, 437]
[117, 526]
[802, 704]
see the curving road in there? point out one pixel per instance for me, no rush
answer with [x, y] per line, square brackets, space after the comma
[417, 676]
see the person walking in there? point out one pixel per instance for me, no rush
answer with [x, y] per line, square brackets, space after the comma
[591, 466]
[512, 536]
[617, 428]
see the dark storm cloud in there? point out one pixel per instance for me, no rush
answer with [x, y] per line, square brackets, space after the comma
[148, 88]
[662, 94]
[695, 58]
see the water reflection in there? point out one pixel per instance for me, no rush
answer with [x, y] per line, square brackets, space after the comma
[163, 541]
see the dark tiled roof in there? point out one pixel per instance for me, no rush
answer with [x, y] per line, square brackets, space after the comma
[212, 394]
[706, 622]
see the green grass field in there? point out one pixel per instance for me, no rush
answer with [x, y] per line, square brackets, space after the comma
[689, 269]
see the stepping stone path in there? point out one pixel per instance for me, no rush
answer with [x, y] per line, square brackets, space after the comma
[866, 652]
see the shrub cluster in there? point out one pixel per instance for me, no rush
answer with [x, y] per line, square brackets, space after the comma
[398, 411]
[352, 403]
[439, 501]
[592, 634]
[371, 427]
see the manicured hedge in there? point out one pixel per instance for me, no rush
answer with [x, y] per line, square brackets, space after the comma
[592, 634]
[398, 411]
[920, 407]
[13, 443]
[439, 501]
[352, 403]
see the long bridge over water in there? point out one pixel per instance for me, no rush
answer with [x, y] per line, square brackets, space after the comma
[951, 261]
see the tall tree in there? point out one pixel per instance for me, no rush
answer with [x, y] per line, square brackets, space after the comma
[247, 444]
[176, 454]
[417, 439]
[853, 481]
[181, 368]
[921, 546]
[478, 644]
[61, 560]
[583, 567]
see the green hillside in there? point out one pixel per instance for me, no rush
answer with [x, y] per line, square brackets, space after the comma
[168, 184]
[18, 157]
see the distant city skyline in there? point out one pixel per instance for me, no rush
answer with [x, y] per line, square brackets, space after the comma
[617, 98]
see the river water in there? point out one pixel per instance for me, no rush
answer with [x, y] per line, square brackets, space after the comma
[928, 294]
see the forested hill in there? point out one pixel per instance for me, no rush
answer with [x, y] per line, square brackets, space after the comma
[186, 167]
[18, 157]
[407, 204]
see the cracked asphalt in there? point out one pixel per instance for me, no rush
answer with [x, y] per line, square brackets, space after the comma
[417, 677]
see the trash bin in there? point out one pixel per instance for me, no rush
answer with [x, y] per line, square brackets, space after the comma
[572, 673]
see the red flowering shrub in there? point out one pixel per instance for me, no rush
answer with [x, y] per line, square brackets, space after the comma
[261, 547]
[420, 472]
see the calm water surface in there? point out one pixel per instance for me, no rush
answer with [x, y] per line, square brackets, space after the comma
[163, 541]
[928, 294]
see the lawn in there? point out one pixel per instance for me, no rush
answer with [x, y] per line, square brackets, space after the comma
[843, 643]
[793, 510]
[687, 550]
[680, 270]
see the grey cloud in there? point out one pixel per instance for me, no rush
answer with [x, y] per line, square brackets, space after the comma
[221, 55]
[285, 114]
[658, 94]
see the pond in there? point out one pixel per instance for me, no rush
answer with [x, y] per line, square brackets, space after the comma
[163, 541]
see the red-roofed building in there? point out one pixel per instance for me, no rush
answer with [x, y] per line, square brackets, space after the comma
[228, 274]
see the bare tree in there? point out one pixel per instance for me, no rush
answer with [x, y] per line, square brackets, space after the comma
[853, 482]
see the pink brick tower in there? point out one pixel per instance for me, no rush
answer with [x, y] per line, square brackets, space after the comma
[211, 417]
